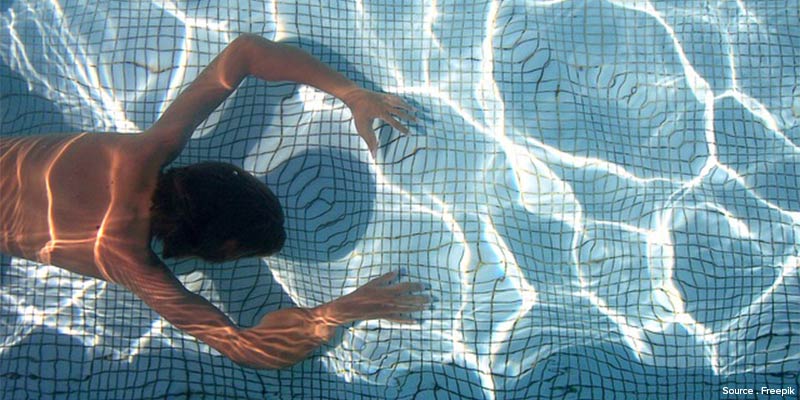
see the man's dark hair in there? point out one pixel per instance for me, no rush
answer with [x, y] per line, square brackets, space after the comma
[204, 209]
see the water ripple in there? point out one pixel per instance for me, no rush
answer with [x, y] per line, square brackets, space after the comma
[612, 177]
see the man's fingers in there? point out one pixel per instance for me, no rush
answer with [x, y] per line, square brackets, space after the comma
[409, 304]
[407, 287]
[403, 115]
[393, 122]
[372, 144]
[364, 128]
[414, 300]
[383, 279]
[398, 102]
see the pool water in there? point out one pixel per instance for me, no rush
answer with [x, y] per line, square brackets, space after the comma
[602, 196]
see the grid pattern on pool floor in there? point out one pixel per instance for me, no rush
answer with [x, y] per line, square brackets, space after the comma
[602, 196]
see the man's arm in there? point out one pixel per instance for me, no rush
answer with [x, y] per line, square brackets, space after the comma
[283, 337]
[253, 55]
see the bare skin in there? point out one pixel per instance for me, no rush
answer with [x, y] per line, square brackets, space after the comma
[82, 202]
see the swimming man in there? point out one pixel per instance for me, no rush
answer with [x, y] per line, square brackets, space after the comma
[92, 203]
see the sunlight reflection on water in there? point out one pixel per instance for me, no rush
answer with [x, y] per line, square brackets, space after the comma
[617, 176]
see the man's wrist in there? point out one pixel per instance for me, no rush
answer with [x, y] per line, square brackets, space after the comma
[324, 320]
[350, 94]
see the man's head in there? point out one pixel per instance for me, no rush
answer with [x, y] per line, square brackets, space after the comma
[217, 212]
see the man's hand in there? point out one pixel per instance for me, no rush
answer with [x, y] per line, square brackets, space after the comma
[378, 299]
[367, 105]
[254, 55]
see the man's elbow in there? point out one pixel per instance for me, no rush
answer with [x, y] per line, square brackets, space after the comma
[250, 42]
[248, 351]
[247, 38]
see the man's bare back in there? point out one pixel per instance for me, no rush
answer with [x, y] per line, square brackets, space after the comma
[77, 202]
[69, 198]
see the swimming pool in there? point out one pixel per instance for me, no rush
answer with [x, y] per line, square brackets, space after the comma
[601, 195]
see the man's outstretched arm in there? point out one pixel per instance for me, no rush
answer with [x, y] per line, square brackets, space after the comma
[283, 337]
[253, 55]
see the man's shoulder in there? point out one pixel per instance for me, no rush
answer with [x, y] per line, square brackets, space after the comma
[136, 159]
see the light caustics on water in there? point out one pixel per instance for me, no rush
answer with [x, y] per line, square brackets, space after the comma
[18, 237]
[88, 229]
[572, 184]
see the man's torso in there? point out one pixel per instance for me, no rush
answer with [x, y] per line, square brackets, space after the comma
[77, 201]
